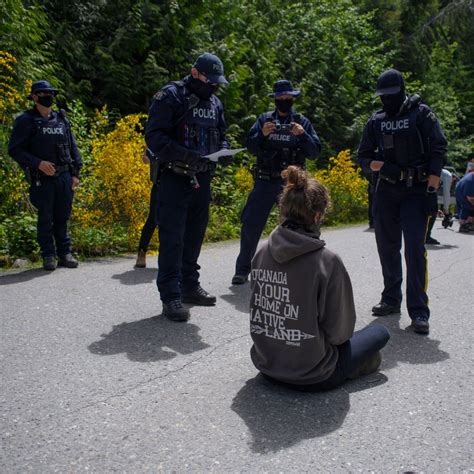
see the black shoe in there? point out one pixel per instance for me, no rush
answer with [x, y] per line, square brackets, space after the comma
[199, 296]
[239, 278]
[420, 324]
[368, 367]
[384, 309]
[68, 261]
[465, 228]
[49, 263]
[431, 241]
[175, 311]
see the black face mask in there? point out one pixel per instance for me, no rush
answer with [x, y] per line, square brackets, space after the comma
[46, 101]
[284, 105]
[392, 103]
[203, 90]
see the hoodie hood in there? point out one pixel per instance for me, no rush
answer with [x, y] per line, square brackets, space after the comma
[285, 244]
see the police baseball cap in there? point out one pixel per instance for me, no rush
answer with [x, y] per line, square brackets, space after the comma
[390, 82]
[211, 66]
[284, 87]
[41, 86]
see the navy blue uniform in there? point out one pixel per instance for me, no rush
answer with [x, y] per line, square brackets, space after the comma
[35, 139]
[274, 153]
[412, 146]
[181, 129]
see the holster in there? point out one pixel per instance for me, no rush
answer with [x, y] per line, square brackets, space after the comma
[154, 171]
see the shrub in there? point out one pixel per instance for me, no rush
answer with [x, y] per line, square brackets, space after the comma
[348, 190]
[18, 237]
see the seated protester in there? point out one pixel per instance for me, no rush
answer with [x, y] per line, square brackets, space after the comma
[465, 201]
[302, 311]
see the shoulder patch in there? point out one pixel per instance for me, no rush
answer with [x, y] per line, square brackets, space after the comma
[432, 116]
[160, 95]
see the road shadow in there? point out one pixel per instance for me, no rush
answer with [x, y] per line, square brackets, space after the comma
[23, 276]
[441, 247]
[136, 276]
[150, 340]
[407, 346]
[239, 297]
[279, 417]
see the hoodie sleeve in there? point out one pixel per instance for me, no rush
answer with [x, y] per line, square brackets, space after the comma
[338, 314]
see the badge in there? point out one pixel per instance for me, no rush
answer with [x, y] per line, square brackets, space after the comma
[160, 95]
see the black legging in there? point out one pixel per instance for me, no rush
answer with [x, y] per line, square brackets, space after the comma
[151, 221]
[352, 354]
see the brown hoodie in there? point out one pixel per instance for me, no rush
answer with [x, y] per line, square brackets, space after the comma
[301, 307]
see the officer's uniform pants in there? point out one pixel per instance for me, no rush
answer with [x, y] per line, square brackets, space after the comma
[254, 217]
[183, 213]
[53, 200]
[151, 222]
[400, 210]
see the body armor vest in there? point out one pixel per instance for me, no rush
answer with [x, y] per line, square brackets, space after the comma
[399, 138]
[280, 149]
[49, 140]
[198, 127]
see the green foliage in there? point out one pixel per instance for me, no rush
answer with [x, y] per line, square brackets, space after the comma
[112, 56]
[95, 242]
[18, 237]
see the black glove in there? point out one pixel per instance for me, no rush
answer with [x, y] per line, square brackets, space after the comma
[226, 160]
[431, 203]
[391, 171]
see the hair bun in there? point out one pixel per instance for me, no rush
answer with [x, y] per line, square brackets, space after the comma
[295, 177]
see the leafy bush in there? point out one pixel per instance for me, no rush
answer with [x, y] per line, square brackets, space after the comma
[348, 190]
[18, 237]
[96, 242]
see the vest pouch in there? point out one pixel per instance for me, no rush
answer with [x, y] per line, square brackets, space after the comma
[214, 140]
[63, 154]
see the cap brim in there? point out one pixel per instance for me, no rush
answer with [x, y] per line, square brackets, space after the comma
[278, 94]
[388, 91]
[216, 79]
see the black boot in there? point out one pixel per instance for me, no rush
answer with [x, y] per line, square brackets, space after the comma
[384, 309]
[239, 278]
[68, 261]
[175, 311]
[199, 296]
[420, 324]
[49, 263]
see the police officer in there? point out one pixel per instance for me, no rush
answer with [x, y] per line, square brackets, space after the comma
[403, 142]
[44, 146]
[185, 123]
[278, 139]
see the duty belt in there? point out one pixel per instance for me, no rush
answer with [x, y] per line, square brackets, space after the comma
[415, 174]
[61, 169]
[265, 175]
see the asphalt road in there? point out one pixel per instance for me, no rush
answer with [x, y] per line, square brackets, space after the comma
[94, 379]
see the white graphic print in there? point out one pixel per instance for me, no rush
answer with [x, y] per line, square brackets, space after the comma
[272, 308]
